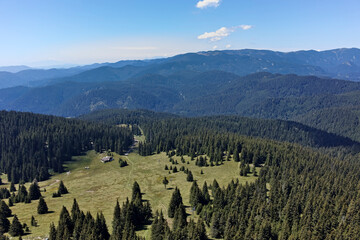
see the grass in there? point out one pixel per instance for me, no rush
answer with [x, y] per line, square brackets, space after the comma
[97, 188]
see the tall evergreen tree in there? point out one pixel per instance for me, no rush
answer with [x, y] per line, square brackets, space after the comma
[42, 206]
[117, 224]
[52, 233]
[62, 189]
[175, 202]
[179, 218]
[4, 224]
[189, 177]
[16, 227]
[136, 192]
[65, 226]
[75, 211]
[34, 191]
[165, 182]
[4, 209]
[12, 187]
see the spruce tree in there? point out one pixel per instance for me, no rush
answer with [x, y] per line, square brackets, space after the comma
[215, 226]
[11, 203]
[65, 225]
[175, 202]
[236, 156]
[159, 227]
[101, 231]
[4, 224]
[165, 182]
[33, 221]
[34, 191]
[189, 177]
[12, 187]
[62, 189]
[136, 191]
[179, 218]
[42, 206]
[4, 209]
[117, 225]
[16, 227]
[205, 193]
[75, 211]
[195, 195]
[52, 233]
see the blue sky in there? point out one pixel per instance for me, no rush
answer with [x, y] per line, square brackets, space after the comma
[46, 32]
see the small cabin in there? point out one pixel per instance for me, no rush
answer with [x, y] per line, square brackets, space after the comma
[107, 159]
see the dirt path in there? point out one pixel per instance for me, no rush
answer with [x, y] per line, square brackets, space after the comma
[49, 185]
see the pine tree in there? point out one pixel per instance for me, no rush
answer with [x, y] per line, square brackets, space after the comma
[34, 191]
[65, 226]
[16, 228]
[12, 187]
[62, 189]
[205, 193]
[179, 218]
[117, 226]
[236, 156]
[162, 229]
[195, 195]
[52, 233]
[175, 202]
[136, 192]
[189, 177]
[33, 221]
[4, 209]
[101, 231]
[165, 182]
[42, 206]
[215, 226]
[75, 211]
[21, 194]
[4, 224]
[11, 203]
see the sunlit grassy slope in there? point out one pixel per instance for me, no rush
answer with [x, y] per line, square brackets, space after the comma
[97, 188]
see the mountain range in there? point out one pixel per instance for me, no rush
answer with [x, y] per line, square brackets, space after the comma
[338, 63]
[300, 86]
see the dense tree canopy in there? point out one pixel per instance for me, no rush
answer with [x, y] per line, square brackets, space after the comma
[32, 144]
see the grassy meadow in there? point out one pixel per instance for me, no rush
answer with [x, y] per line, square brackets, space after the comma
[97, 188]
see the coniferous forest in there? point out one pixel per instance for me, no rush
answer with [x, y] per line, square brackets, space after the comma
[32, 145]
[301, 192]
[307, 185]
[143, 120]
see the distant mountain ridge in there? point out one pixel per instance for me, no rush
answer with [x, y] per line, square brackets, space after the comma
[14, 69]
[341, 63]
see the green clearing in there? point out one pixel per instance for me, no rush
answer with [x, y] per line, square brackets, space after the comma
[97, 188]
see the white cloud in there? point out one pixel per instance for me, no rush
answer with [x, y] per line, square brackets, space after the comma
[217, 35]
[222, 33]
[208, 3]
[215, 47]
[245, 27]
[228, 46]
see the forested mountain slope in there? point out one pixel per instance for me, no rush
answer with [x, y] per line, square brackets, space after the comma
[153, 123]
[300, 192]
[32, 144]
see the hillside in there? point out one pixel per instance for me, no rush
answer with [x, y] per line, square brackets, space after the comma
[190, 93]
[286, 131]
[32, 145]
[244, 177]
